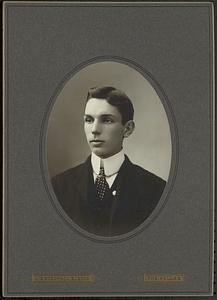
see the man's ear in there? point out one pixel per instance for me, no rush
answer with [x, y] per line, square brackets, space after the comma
[129, 128]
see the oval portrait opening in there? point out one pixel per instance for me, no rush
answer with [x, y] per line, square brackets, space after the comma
[108, 149]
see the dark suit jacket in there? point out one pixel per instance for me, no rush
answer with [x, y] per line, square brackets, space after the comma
[137, 193]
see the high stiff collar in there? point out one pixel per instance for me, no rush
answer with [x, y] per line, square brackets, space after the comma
[111, 164]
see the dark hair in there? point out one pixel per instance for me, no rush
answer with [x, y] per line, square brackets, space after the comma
[116, 98]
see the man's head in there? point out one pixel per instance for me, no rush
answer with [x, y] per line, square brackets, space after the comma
[108, 120]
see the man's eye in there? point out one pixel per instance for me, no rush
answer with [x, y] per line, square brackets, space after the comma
[107, 120]
[88, 120]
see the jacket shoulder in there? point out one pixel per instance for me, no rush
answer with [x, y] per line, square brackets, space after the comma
[69, 175]
[143, 175]
[149, 188]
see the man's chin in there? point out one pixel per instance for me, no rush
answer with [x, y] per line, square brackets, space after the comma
[102, 154]
[99, 153]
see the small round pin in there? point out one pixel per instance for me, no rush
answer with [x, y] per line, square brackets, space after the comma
[114, 193]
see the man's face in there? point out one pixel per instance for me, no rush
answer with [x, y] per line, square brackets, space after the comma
[103, 128]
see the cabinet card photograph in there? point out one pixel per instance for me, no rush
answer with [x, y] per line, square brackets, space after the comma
[108, 149]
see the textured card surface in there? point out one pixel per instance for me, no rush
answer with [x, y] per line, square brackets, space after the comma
[153, 232]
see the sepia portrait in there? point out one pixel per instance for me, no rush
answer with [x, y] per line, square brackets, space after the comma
[108, 148]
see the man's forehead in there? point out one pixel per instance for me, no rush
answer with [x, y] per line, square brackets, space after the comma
[100, 106]
[97, 102]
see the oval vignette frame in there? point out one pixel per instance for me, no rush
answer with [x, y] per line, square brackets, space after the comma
[174, 145]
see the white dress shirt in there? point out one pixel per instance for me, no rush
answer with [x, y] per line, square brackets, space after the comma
[111, 166]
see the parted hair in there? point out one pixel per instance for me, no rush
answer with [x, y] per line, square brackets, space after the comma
[115, 98]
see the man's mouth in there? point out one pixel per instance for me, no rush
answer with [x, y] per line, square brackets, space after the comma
[96, 142]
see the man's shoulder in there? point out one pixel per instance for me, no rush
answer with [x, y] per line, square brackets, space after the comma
[70, 174]
[142, 175]
[146, 187]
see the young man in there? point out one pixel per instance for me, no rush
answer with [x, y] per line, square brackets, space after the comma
[108, 195]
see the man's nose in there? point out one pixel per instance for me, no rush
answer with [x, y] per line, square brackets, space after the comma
[96, 127]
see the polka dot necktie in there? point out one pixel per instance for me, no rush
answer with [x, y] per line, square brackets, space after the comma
[101, 184]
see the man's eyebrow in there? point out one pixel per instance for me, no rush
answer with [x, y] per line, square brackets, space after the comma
[88, 116]
[103, 115]
[107, 115]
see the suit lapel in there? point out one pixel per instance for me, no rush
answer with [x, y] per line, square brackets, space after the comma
[126, 187]
[81, 181]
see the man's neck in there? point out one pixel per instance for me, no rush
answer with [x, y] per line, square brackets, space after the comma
[111, 164]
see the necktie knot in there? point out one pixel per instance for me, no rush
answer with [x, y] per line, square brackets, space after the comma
[101, 172]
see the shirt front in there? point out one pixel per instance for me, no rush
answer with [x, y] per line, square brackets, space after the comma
[111, 166]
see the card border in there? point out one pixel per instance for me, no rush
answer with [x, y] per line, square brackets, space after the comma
[6, 4]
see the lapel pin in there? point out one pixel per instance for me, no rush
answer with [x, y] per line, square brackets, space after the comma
[114, 193]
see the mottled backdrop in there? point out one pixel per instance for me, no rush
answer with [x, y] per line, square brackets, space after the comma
[150, 144]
